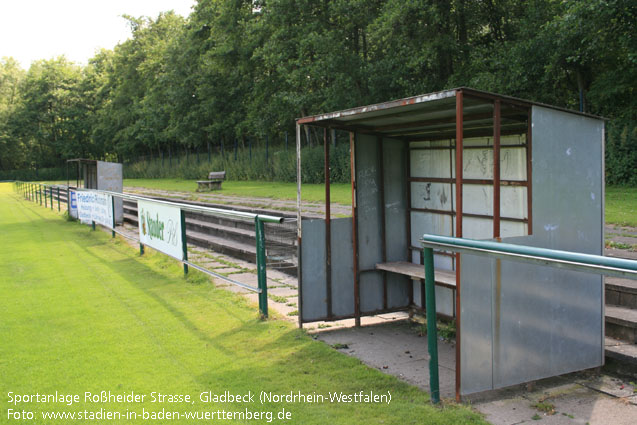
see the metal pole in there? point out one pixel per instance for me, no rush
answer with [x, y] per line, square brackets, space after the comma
[432, 332]
[328, 223]
[113, 213]
[261, 270]
[609, 266]
[184, 243]
[299, 221]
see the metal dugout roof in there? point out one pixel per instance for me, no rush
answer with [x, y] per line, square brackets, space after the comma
[432, 116]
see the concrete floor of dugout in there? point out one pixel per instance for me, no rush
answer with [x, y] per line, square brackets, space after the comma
[394, 345]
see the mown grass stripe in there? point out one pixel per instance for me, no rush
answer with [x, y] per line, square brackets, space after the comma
[83, 312]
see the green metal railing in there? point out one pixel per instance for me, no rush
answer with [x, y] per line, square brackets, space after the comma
[548, 257]
[33, 192]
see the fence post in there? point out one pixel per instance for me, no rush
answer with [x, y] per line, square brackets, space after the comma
[40, 193]
[432, 337]
[93, 225]
[46, 201]
[113, 213]
[261, 270]
[68, 201]
[51, 197]
[141, 248]
[58, 198]
[184, 242]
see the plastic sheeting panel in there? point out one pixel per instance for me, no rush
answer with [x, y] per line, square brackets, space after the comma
[522, 322]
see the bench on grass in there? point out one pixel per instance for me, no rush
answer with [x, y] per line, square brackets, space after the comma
[215, 178]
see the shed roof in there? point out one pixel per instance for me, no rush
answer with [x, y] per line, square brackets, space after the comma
[433, 116]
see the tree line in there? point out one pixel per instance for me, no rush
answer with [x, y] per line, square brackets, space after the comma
[245, 69]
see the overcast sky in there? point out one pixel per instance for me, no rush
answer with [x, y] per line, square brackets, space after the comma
[44, 29]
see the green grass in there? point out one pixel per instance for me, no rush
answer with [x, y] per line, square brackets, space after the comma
[340, 193]
[82, 312]
[621, 206]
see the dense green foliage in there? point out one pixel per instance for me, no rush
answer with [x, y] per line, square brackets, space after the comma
[247, 165]
[243, 70]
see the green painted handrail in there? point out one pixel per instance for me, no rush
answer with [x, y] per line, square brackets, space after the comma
[563, 259]
[544, 256]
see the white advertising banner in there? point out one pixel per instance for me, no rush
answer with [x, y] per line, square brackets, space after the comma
[95, 207]
[160, 227]
[73, 202]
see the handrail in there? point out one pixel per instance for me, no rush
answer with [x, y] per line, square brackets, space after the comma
[186, 207]
[544, 256]
[34, 191]
[193, 208]
[610, 266]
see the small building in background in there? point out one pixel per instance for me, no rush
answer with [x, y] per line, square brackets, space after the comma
[101, 175]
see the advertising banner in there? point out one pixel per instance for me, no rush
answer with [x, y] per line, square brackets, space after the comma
[160, 227]
[73, 203]
[95, 207]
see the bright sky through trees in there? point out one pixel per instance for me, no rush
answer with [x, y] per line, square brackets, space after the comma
[43, 29]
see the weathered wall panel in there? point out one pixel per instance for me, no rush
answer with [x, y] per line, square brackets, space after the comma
[394, 161]
[314, 293]
[369, 222]
[110, 177]
[521, 322]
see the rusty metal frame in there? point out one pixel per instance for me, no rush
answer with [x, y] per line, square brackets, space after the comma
[529, 173]
[407, 177]
[522, 183]
[356, 266]
[383, 234]
[299, 227]
[434, 148]
[459, 168]
[328, 224]
[466, 214]
[496, 168]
